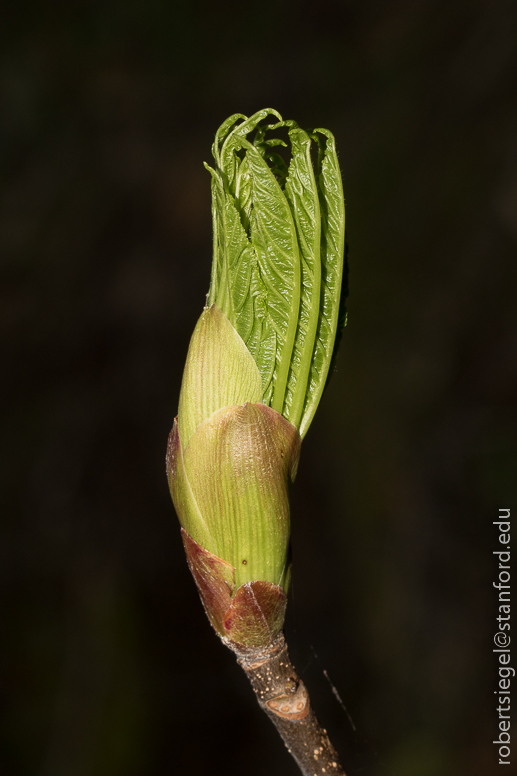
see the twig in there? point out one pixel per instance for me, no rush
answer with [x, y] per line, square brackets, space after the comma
[284, 698]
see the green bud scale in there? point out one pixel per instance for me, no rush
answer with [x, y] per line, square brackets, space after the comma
[257, 365]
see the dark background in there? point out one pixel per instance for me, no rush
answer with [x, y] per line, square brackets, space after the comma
[109, 666]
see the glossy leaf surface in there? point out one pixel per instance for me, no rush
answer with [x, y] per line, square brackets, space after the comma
[278, 255]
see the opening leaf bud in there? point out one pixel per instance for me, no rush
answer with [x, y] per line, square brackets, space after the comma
[257, 365]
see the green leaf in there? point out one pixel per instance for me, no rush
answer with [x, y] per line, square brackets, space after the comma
[278, 256]
[302, 194]
[332, 208]
[222, 133]
[237, 286]
[342, 316]
[219, 246]
[227, 159]
[256, 272]
[273, 235]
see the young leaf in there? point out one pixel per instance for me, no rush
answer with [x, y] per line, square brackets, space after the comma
[273, 235]
[302, 194]
[332, 210]
[256, 270]
[237, 287]
[278, 256]
[227, 160]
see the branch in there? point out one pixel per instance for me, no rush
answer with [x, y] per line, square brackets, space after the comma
[284, 698]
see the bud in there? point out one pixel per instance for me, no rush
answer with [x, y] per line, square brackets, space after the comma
[230, 460]
[256, 367]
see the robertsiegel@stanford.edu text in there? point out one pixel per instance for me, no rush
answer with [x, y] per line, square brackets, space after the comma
[502, 636]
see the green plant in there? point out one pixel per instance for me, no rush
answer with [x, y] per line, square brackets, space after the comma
[257, 366]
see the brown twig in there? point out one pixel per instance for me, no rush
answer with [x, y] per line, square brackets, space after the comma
[284, 698]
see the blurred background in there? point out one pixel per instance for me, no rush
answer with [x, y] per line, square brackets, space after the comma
[109, 665]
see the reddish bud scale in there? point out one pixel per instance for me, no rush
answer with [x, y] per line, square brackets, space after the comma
[252, 616]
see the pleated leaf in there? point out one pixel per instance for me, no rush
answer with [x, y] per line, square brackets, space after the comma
[302, 195]
[256, 270]
[332, 209]
[278, 256]
[273, 235]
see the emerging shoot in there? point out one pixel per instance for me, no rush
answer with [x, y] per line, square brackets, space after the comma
[257, 365]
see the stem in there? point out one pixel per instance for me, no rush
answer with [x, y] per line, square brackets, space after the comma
[284, 698]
